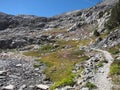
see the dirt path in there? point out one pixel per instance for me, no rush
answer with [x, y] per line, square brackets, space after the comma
[101, 77]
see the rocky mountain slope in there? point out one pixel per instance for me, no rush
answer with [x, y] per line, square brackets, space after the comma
[71, 51]
[27, 29]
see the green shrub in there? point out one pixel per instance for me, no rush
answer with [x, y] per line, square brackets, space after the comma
[115, 68]
[47, 48]
[100, 64]
[64, 82]
[90, 85]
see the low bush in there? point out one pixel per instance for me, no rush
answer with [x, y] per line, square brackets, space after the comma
[115, 68]
[100, 64]
[91, 85]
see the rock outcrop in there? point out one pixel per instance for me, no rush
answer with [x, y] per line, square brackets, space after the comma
[111, 40]
[22, 30]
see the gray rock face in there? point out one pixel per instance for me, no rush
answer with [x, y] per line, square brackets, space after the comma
[10, 21]
[22, 30]
[16, 41]
[111, 40]
[4, 20]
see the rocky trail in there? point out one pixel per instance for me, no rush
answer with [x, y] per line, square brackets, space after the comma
[101, 78]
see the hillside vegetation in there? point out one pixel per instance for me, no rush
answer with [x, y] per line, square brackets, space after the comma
[114, 20]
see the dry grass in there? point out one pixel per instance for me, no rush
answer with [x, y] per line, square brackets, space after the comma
[115, 68]
[60, 65]
[61, 61]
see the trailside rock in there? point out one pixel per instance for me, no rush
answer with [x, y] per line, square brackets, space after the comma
[9, 87]
[85, 89]
[111, 40]
[3, 73]
[42, 87]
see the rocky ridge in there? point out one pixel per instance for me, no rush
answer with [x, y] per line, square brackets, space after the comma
[22, 30]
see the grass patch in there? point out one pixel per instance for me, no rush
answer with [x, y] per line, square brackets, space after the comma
[114, 50]
[91, 85]
[115, 68]
[47, 48]
[84, 42]
[73, 43]
[62, 44]
[104, 35]
[68, 43]
[100, 64]
[32, 53]
[115, 72]
[60, 60]
[38, 64]
[61, 65]
[66, 81]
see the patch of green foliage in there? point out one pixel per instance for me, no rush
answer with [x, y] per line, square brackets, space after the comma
[66, 81]
[61, 61]
[61, 66]
[32, 53]
[115, 73]
[46, 48]
[100, 64]
[114, 20]
[115, 68]
[114, 50]
[91, 85]
[38, 64]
